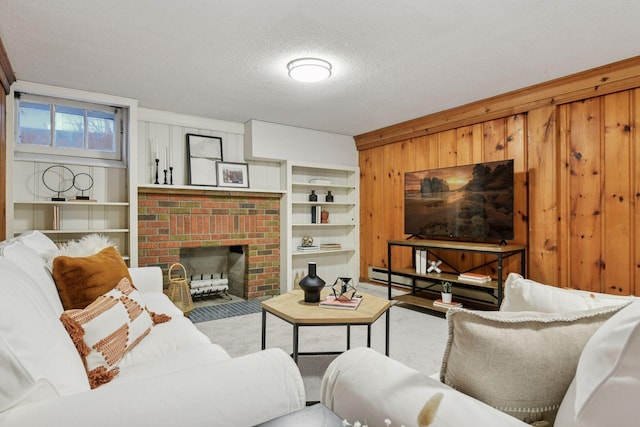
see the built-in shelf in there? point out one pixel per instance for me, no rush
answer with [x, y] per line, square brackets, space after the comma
[342, 228]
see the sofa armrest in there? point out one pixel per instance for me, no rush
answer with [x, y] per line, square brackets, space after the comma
[243, 391]
[364, 384]
[147, 279]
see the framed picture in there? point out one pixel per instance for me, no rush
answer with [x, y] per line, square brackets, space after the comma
[233, 174]
[202, 154]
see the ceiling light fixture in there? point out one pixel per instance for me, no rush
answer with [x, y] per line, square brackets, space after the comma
[309, 69]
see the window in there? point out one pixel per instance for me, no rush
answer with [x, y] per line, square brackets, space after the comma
[54, 126]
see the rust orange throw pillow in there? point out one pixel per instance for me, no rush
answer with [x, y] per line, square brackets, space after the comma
[81, 280]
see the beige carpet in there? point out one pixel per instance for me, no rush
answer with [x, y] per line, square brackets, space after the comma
[416, 339]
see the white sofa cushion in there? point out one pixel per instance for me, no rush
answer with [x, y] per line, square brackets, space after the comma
[522, 294]
[606, 387]
[363, 384]
[35, 266]
[39, 242]
[33, 343]
[242, 391]
[518, 362]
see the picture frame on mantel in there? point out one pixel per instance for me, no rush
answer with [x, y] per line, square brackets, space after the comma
[231, 174]
[203, 152]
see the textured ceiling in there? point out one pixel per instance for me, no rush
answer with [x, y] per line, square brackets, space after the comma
[394, 60]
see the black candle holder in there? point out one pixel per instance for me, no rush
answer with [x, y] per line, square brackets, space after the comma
[171, 175]
[157, 163]
[165, 177]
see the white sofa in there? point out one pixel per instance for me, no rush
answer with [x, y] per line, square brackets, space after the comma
[174, 376]
[549, 355]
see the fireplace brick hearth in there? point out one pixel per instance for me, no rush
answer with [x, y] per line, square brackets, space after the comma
[170, 219]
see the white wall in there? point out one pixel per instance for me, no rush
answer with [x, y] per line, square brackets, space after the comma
[272, 141]
[262, 145]
[169, 130]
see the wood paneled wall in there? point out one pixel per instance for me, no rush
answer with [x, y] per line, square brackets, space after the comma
[577, 179]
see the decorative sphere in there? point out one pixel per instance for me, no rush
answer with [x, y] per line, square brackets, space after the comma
[307, 241]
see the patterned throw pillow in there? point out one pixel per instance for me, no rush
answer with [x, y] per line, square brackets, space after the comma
[107, 328]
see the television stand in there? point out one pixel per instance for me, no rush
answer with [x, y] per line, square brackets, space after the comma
[494, 255]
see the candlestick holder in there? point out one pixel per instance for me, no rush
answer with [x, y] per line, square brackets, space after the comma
[157, 163]
[171, 175]
[165, 177]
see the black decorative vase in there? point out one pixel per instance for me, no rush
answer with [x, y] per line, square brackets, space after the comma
[313, 197]
[328, 197]
[312, 285]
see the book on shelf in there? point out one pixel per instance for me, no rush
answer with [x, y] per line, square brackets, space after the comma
[440, 303]
[421, 261]
[341, 304]
[308, 248]
[330, 246]
[316, 214]
[475, 277]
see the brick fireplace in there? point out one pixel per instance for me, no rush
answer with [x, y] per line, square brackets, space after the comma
[171, 219]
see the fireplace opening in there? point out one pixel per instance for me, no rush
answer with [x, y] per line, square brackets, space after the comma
[215, 271]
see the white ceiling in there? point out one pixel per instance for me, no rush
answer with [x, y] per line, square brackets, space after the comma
[393, 60]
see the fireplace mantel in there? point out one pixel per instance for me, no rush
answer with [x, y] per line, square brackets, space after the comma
[207, 191]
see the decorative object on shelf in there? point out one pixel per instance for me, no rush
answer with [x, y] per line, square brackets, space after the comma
[58, 178]
[329, 197]
[313, 197]
[343, 288]
[307, 241]
[446, 292]
[233, 174]
[83, 182]
[296, 281]
[203, 152]
[433, 266]
[324, 217]
[157, 170]
[170, 175]
[178, 291]
[311, 284]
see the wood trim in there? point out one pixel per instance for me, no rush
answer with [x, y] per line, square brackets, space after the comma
[615, 77]
[3, 166]
[209, 193]
[7, 76]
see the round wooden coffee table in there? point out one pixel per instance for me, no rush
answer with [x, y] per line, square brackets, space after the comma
[291, 308]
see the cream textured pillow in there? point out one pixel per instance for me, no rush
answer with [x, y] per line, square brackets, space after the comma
[106, 329]
[518, 362]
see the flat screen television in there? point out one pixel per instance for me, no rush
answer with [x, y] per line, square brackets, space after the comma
[461, 202]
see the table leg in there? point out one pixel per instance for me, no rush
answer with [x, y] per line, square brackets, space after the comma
[295, 344]
[264, 329]
[369, 335]
[386, 333]
[348, 337]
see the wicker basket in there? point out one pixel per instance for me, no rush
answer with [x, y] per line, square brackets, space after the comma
[179, 291]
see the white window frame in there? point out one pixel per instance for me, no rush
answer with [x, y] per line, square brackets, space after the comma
[72, 155]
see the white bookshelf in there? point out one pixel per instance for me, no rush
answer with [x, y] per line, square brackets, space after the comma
[342, 226]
